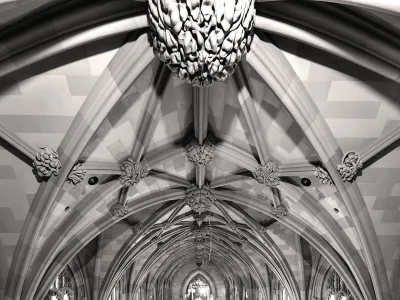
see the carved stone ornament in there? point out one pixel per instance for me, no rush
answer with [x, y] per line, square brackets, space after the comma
[201, 155]
[132, 172]
[267, 174]
[199, 200]
[323, 176]
[351, 165]
[77, 174]
[199, 217]
[280, 211]
[261, 228]
[118, 210]
[46, 162]
[200, 243]
[138, 228]
[201, 41]
[199, 232]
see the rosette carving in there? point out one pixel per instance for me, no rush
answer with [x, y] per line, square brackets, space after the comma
[132, 172]
[350, 167]
[201, 41]
[77, 174]
[118, 211]
[201, 155]
[280, 211]
[46, 162]
[267, 174]
[323, 176]
[199, 200]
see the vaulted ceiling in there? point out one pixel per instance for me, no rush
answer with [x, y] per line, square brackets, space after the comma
[319, 84]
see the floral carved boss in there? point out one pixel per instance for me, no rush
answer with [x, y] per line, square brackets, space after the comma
[201, 155]
[267, 174]
[350, 167]
[132, 172]
[201, 41]
[46, 162]
[199, 200]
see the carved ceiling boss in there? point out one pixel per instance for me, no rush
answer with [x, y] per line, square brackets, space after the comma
[201, 41]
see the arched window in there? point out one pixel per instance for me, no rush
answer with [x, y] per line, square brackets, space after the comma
[198, 289]
[336, 288]
[63, 287]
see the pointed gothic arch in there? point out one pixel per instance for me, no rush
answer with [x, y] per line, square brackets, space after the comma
[193, 274]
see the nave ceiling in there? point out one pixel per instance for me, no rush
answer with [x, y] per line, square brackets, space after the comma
[81, 78]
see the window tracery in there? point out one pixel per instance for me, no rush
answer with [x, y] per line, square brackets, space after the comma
[199, 289]
[63, 287]
[337, 289]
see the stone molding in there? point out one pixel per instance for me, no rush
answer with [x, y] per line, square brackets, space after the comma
[167, 225]
[232, 225]
[267, 174]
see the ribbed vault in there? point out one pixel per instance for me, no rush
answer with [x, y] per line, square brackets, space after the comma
[141, 150]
